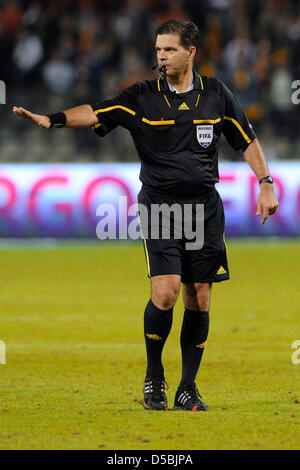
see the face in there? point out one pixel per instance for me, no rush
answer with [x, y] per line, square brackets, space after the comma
[172, 54]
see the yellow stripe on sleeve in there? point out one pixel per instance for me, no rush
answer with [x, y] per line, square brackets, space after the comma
[105, 110]
[248, 140]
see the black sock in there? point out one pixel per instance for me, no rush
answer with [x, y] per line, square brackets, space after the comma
[194, 333]
[157, 326]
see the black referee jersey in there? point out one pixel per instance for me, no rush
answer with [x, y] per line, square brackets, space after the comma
[177, 135]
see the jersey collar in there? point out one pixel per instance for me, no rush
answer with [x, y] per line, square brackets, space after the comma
[162, 84]
[189, 88]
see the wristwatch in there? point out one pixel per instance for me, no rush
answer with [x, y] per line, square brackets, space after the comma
[266, 179]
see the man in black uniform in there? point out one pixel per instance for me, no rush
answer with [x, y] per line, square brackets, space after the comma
[176, 122]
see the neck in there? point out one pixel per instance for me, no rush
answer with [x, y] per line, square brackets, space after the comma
[182, 81]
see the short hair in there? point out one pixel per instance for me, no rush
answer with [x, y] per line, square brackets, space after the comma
[187, 30]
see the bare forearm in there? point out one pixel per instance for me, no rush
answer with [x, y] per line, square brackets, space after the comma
[80, 116]
[267, 203]
[255, 158]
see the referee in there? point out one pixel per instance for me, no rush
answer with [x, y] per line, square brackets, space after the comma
[176, 123]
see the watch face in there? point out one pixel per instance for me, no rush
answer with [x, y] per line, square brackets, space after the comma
[267, 179]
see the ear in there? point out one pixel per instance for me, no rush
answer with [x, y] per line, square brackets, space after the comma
[192, 52]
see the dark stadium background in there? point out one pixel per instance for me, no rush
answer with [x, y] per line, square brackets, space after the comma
[61, 53]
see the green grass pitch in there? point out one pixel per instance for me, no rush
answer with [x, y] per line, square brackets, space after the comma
[72, 321]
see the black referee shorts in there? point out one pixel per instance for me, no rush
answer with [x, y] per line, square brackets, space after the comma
[170, 256]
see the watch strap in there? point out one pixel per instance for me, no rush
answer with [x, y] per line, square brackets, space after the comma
[266, 179]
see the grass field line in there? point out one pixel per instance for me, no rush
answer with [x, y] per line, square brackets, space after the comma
[36, 244]
[258, 346]
[57, 317]
[69, 346]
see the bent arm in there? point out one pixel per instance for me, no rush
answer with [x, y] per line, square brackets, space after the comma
[79, 116]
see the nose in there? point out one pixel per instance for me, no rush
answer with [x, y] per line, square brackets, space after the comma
[162, 56]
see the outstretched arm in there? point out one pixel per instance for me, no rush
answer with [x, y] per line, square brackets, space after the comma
[267, 203]
[80, 116]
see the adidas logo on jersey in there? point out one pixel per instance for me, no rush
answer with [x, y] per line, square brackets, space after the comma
[183, 106]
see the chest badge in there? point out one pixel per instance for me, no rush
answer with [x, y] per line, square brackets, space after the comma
[205, 135]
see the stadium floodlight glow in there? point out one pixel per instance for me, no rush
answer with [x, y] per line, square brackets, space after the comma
[2, 92]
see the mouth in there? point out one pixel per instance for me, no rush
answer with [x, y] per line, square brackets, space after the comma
[164, 69]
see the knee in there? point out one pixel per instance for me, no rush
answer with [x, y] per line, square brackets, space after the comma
[197, 298]
[203, 302]
[198, 304]
[203, 299]
[164, 299]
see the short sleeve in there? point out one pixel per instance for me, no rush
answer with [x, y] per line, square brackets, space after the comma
[236, 127]
[117, 111]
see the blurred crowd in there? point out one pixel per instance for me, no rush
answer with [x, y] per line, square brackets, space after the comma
[61, 53]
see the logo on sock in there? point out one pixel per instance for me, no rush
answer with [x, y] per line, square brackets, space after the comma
[202, 345]
[155, 337]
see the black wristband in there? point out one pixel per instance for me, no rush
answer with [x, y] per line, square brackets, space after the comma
[57, 120]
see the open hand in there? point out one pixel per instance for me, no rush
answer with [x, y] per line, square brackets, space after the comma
[38, 119]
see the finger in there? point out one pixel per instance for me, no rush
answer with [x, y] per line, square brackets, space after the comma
[273, 210]
[27, 114]
[17, 111]
[265, 216]
[24, 113]
[259, 208]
